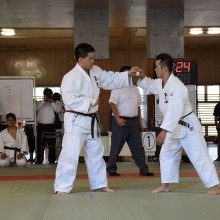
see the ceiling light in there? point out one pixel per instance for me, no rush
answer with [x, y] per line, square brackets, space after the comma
[213, 30]
[196, 31]
[8, 32]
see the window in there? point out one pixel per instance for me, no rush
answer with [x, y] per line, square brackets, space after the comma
[208, 96]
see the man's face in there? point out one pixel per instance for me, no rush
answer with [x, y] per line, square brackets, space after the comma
[158, 69]
[11, 121]
[87, 62]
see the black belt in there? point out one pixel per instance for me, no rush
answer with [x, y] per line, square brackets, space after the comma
[128, 118]
[186, 115]
[183, 123]
[15, 153]
[94, 117]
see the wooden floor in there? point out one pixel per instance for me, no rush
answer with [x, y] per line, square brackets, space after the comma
[27, 194]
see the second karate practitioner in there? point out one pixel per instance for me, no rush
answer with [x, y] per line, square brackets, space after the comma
[180, 128]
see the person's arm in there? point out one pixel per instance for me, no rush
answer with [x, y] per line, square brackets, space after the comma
[120, 121]
[140, 119]
[216, 123]
[3, 155]
[56, 106]
[24, 143]
[135, 71]
[161, 137]
[110, 80]
[39, 105]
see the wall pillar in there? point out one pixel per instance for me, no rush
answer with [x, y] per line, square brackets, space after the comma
[91, 25]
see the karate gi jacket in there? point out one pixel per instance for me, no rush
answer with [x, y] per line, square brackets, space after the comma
[174, 103]
[7, 140]
[80, 92]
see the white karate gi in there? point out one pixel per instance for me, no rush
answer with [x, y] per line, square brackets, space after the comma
[80, 93]
[20, 142]
[174, 104]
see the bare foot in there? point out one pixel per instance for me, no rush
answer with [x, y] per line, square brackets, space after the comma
[62, 193]
[162, 188]
[104, 189]
[213, 191]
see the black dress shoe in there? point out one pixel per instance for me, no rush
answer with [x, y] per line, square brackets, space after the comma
[147, 174]
[114, 174]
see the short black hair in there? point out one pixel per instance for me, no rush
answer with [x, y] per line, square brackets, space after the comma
[165, 60]
[48, 91]
[82, 50]
[125, 68]
[11, 115]
[56, 96]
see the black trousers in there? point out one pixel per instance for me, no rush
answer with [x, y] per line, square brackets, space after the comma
[51, 142]
[130, 134]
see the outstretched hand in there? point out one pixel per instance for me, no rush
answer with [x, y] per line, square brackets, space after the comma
[135, 71]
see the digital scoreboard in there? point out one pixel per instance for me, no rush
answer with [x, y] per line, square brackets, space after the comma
[186, 71]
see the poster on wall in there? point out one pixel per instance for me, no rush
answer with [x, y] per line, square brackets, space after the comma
[16, 96]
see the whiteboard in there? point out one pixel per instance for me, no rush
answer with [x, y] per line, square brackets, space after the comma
[16, 96]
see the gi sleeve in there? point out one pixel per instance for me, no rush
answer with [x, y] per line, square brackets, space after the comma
[148, 85]
[112, 80]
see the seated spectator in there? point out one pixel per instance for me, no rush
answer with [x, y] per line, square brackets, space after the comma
[13, 144]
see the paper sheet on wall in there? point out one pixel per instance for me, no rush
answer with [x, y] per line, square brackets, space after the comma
[16, 96]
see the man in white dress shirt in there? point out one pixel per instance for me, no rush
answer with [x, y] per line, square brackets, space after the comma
[126, 127]
[45, 119]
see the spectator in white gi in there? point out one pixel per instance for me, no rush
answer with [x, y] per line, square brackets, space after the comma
[13, 144]
[80, 90]
[180, 128]
[126, 127]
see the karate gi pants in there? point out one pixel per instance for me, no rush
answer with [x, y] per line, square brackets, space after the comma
[195, 146]
[68, 161]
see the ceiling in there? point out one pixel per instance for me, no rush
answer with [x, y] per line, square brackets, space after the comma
[47, 24]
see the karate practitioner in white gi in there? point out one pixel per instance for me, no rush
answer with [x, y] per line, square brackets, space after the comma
[13, 144]
[180, 128]
[80, 90]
